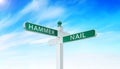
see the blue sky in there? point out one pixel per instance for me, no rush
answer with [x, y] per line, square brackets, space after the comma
[21, 49]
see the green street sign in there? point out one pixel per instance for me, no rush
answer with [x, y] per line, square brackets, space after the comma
[78, 36]
[40, 29]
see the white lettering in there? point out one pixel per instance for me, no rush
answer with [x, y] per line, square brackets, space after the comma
[49, 31]
[30, 26]
[72, 37]
[77, 36]
[35, 28]
[46, 30]
[82, 35]
[40, 29]
[52, 32]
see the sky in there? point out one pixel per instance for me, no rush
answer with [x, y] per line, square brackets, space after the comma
[21, 49]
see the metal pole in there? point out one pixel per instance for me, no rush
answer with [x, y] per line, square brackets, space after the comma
[60, 47]
[60, 56]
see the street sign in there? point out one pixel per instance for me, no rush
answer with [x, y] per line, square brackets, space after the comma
[78, 36]
[61, 37]
[40, 29]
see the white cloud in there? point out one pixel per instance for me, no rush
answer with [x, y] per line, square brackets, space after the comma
[21, 38]
[92, 61]
[7, 53]
[44, 40]
[4, 40]
[49, 13]
[39, 9]
[109, 36]
[52, 12]
[71, 61]
[26, 62]
[35, 5]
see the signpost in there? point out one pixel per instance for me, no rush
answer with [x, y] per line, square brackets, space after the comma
[61, 38]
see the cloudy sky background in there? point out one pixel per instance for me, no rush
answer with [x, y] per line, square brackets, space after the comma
[20, 49]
